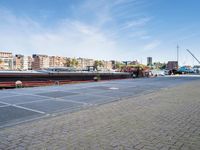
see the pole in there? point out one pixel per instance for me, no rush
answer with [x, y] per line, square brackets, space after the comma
[177, 54]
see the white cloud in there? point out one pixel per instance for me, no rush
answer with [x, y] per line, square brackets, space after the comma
[69, 38]
[136, 23]
[104, 37]
[152, 45]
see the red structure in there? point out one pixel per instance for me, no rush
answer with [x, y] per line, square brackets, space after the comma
[171, 65]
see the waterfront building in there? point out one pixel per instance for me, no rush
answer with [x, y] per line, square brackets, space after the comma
[6, 61]
[107, 65]
[20, 62]
[149, 61]
[30, 61]
[40, 62]
[172, 65]
[84, 62]
[56, 61]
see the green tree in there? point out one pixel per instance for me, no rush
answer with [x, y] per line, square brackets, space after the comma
[163, 66]
[119, 65]
[71, 62]
[97, 63]
[74, 63]
[67, 62]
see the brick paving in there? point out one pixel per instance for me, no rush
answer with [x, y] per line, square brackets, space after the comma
[166, 119]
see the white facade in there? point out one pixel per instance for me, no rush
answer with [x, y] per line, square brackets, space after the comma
[6, 61]
[25, 63]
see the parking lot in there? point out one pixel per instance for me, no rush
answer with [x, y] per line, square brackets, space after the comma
[21, 105]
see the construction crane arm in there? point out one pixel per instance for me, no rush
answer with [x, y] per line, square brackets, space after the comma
[193, 55]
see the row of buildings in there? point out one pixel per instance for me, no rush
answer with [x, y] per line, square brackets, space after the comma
[170, 65]
[8, 61]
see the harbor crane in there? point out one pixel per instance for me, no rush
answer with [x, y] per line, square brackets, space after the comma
[193, 55]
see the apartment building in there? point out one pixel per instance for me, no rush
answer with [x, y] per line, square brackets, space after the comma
[84, 62]
[40, 62]
[20, 62]
[107, 65]
[6, 61]
[56, 61]
[30, 61]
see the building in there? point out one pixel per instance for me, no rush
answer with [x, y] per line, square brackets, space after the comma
[172, 65]
[84, 62]
[116, 64]
[107, 65]
[6, 61]
[40, 62]
[30, 61]
[149, 61]
[20, 62]
[56, 61]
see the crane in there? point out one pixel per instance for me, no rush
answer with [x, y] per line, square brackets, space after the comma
[193, 55]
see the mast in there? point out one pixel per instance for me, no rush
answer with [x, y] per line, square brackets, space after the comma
[177, 53]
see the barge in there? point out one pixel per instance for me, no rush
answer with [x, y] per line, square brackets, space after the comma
[51, 77]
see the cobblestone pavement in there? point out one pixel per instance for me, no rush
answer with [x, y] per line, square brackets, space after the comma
[166, 119]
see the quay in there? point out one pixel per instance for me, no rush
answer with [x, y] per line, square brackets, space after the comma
[141, 114]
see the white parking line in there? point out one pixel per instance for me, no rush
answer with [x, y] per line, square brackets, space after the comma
[35, 95]
[5, 103]
[4, 106]
[29, 102]
[41, 112]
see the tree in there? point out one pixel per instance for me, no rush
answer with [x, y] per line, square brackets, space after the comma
[74, 62]
[158, 65]
[67, 62]
[71, 62]
[97, 64]
[163, 66]
[118, 65]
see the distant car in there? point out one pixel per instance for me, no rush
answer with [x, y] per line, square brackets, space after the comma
[196, 69]
[185, 69]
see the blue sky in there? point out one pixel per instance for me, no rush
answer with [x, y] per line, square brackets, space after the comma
[103, 29]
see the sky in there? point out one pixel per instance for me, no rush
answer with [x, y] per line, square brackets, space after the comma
[102, 29]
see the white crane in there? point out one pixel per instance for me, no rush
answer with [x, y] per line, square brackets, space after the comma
[193, 55]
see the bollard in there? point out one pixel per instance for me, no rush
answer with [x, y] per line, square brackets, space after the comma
[57, 83]
[18, 84]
